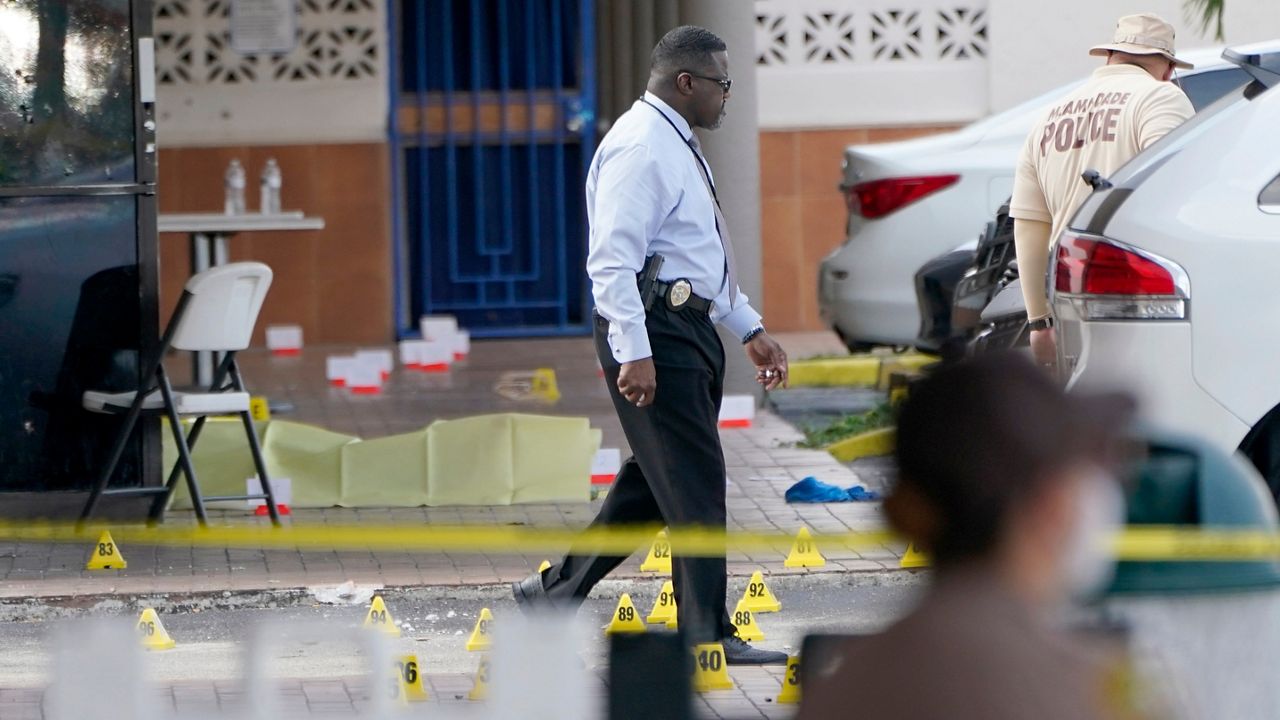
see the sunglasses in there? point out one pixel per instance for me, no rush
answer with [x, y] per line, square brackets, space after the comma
[724, 83]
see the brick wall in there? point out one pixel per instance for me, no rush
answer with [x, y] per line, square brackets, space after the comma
[336, 283]
[803, 213]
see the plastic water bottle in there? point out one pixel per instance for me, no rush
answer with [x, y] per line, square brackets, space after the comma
[233, 183]
[269, 196]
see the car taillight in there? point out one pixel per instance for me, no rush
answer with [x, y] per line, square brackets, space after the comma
[1108, 281]
[878, 198]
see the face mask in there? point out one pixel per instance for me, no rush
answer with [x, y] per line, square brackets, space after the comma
[1087, 561]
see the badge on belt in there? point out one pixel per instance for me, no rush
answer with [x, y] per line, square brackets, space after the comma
[679, 293]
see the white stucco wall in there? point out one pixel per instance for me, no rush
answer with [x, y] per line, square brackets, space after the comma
[823, 63]
[1037, 45]
[332, 87]
[837, 63]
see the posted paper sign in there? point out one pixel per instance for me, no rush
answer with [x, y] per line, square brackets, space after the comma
[263, 26]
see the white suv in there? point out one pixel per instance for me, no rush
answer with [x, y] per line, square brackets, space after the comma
[1168, 283]
[911, 201]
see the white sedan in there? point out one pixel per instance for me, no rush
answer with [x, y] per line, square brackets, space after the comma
[1165, 285]
[911, 201]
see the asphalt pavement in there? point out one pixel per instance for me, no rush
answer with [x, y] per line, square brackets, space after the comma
[437, 621]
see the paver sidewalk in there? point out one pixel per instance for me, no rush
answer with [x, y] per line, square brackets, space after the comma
[753, 696]
[762, 463]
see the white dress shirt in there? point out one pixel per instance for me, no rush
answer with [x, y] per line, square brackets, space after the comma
[645, 195]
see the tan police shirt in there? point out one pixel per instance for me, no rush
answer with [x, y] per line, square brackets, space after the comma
[1118, 113]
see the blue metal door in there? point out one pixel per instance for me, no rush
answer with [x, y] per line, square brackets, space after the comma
[492, 130]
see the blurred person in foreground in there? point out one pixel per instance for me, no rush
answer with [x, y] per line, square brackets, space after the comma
[1007, 483]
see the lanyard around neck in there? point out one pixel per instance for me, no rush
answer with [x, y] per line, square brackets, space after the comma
[696, 155]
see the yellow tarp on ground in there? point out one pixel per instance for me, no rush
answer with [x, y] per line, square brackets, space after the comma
[303, 451]
[385, 472]
[479, 447]
[486, 460]
[221, 458]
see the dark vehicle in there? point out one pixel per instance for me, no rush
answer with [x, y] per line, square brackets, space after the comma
[953, 289]
[935, 288]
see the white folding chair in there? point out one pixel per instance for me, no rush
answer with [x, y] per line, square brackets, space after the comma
[217, 312]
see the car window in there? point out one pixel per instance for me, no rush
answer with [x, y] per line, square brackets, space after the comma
[1133, 172]
[1205, 88]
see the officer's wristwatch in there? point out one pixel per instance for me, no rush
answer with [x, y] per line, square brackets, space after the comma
[751, 335]
[1043, 323]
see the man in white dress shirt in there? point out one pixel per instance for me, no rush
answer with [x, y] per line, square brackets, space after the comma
[650, 192]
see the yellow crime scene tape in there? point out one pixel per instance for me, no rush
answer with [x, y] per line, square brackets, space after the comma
[1146, 543]
[455, 538]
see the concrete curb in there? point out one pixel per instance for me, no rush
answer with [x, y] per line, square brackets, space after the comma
[872, 443]
[867, 369]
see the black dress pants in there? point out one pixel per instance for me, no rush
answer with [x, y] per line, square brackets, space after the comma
[676, 475]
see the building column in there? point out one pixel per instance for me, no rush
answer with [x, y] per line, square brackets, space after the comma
[734, 154]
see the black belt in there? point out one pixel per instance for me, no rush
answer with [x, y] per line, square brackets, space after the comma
[691, 302]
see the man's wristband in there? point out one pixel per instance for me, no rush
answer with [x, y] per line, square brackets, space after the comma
[751, 335]
[1044, 323]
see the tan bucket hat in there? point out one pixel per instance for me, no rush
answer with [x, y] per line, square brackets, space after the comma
[1144, 34]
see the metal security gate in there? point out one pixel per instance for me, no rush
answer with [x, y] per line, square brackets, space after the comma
[492, 129]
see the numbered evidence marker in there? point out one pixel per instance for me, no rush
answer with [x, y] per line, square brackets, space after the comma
[709, 670]
[913, 558]
[398, 692]
[745, 621]
[480, 690]
[105, 555]
[790, 693]
[625, 618]
[544, 385]
[152, 632]
[659, 558]
[379, 618]
[409, 679]
[259, 409]
[481, 637]
[664, 607]
[804, 553]
[758, 598]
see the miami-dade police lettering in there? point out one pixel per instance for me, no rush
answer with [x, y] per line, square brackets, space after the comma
[1089, 120]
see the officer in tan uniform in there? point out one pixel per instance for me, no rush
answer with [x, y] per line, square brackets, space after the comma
[1125, 106]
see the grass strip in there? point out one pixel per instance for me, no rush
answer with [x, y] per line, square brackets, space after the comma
[881, 416]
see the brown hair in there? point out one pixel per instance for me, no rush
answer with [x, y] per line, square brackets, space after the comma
[977, 438]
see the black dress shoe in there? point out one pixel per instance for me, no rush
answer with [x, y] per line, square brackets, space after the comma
[530, 594]
[738, 652]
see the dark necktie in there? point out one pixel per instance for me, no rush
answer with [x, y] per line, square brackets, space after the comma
[722, 228]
